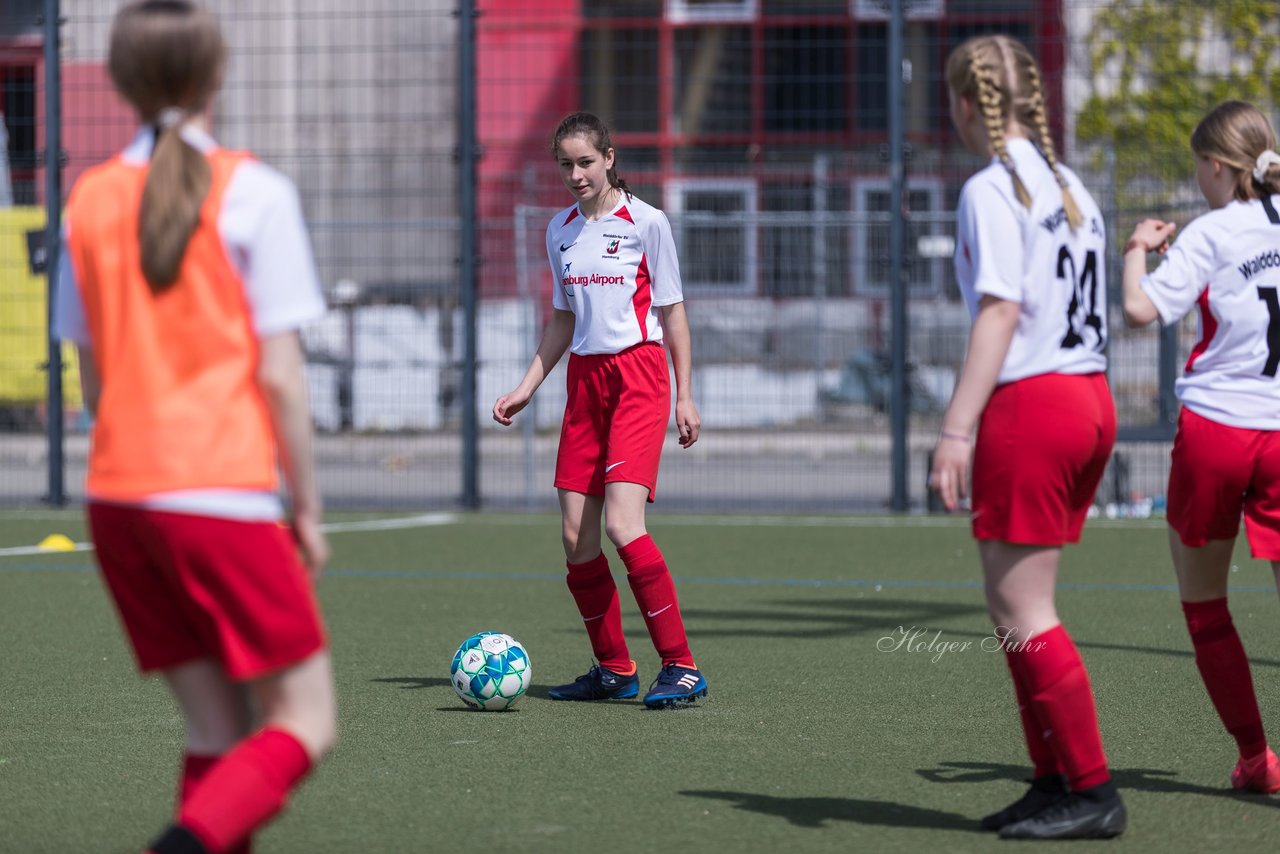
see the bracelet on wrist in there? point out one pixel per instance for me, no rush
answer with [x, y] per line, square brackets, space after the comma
[959, 437]
[1135, 244]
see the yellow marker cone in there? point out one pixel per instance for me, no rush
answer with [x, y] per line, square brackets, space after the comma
[57, 543]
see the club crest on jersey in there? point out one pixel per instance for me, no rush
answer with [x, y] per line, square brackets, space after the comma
[612, 248]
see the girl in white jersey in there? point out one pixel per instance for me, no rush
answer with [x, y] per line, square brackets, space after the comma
[1029, 260]
[1226, 454]
[186, 275]
[618, 307]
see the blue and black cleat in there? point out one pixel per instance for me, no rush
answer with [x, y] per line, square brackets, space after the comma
[675, 685]
[598, 683]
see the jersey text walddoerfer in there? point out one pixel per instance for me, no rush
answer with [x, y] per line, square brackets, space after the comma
[1227, 264]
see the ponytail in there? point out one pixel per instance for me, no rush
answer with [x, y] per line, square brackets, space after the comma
[166, 59]
[177, 182]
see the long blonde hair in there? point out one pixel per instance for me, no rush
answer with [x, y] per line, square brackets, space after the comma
[1000, 76]
[166, 60]
[1235, 133]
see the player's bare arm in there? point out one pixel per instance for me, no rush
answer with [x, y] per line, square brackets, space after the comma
[556, 338]
[283, 383]
[90, 384]
[988, 345]
[675, 326]
[1150, 235]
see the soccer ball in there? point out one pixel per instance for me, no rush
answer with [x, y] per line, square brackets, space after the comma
[490, 671]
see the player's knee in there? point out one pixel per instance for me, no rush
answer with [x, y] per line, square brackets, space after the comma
[580, 545]
[214, 738]
[324, 738]
[623, 531]
[316, 728]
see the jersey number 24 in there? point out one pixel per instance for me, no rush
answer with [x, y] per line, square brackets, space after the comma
[1082, 311]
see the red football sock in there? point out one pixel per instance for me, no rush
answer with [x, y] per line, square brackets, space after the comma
[1061, 699]
[1224, 667]
[597, 597]
[245, 789]
[195, 767]
[655, 592]
[1043, 759]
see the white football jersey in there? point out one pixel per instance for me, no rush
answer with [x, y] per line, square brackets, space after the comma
[1227, 263]
[1030, 256]
[613, 274]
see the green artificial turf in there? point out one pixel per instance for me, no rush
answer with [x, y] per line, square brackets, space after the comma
[821, 731]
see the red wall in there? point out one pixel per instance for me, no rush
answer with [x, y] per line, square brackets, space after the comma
[527, 69]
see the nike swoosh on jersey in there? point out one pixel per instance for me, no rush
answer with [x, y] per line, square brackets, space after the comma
[564, 248]
[657, 612]
[613, 466]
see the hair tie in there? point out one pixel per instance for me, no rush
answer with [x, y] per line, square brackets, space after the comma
[1266, 160]
[171, 117]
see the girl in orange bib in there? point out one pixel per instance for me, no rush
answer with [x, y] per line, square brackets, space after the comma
[187, 272]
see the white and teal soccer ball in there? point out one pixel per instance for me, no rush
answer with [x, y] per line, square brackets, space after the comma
[490, 671]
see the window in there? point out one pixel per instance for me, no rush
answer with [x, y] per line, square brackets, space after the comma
[621, 8]
[713, 80]
[871, 216]
[18, 106]
[915, 10]
[805, 79]
[619, 69]
[715, 230]
[719, 11]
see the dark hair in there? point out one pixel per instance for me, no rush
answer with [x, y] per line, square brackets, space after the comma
[590, 127]
[1235, 133]
[166, 60]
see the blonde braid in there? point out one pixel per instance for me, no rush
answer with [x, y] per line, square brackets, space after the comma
[1040, 116]
[993, 117]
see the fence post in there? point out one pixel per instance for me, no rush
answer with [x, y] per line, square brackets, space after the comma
[57, 495]
[467, 273]
[898, 404]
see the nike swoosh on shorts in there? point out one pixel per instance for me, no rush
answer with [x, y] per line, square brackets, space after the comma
[610, 468]
[657, 612]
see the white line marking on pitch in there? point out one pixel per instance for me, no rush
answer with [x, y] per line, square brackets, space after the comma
[422, 521]
[37, 550]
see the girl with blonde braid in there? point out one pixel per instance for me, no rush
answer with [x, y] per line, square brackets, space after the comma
[1226, 455]
[1029, 261]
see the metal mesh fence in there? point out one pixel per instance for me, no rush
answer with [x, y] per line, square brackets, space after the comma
[760, 126]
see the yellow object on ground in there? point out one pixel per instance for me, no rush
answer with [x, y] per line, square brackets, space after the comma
[57, 543]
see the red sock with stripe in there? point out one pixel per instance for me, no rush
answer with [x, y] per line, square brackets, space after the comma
[244, 790]
[1043, 759]
[655, 593]
[596, 595]
[195, 766]
[1224, 667]
[1061, 698]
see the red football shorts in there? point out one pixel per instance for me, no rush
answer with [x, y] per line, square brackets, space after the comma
[1043, 443]
[615, 420]
[1219, 471]
[190, 587]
